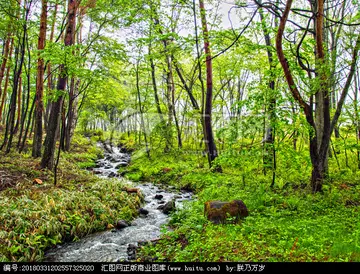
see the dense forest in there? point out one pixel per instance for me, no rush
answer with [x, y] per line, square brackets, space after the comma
[251, 106]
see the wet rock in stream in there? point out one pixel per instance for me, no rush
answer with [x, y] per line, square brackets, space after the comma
[112, 175]
[121, 224]
[159, 196]
[131, 252]
[143, 211]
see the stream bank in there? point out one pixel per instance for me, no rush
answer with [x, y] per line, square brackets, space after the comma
[119, 244]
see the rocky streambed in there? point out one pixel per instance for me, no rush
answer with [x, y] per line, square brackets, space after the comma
[120, 244]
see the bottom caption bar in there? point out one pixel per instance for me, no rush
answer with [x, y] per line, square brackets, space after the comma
[181, 267]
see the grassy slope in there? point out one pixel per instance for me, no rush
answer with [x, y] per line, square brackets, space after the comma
[287, 223]
[34, 217]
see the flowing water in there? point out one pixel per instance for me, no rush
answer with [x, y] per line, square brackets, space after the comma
[112, 245]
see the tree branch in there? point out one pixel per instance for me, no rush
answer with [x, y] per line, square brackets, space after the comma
[238, 37]
[289, 78]
[347, 85]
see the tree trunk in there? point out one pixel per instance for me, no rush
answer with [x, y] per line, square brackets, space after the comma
[26, 99]
[39, 105]
[172, 94]
[20, 50]
[153, 79]
[157, 101]
[322, 98]
[50, 81]
[47, 160]
[18, 114]
[141, 111]
[357, 118]
[269, 138]
[6, 56]
[295, 132]
[2, 109]
[30, 120]
[74, 116]
[209, 137]
[199, 75]
[169, 87]
[317, 175]
[322, 126]
[70, 115]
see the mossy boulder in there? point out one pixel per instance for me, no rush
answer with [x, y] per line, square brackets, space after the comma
[219, 212]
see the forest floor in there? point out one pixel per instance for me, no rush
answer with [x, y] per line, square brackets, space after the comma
[286, 223]
[36, 215]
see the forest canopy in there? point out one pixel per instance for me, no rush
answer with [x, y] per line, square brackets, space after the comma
[267, 91]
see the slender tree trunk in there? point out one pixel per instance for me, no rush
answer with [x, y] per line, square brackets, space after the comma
[19, 51]
[209, 137]
[357, 117]
[157, 101]
[6, 56]
[30, 120]
[61, 142]
[70, 115]
[295, 132]
[141, 111]
[26, 98]
[156, 96]
[23, 137]
[10, 119]
[269, 146]
[199, 75]
[47, 160]
[167, 127]
[172, 86]
[73, 94]
[2, 109]
[333, 53]
[39, 104]
[50, 81]
[18, 114]
[169, 87]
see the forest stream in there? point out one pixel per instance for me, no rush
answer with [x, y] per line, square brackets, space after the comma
[116, 244]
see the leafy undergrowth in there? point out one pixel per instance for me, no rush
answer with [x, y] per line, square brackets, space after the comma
[35, 216]
[164, 169]
[287, 223]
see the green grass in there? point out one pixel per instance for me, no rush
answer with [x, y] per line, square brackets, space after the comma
[287, 223]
